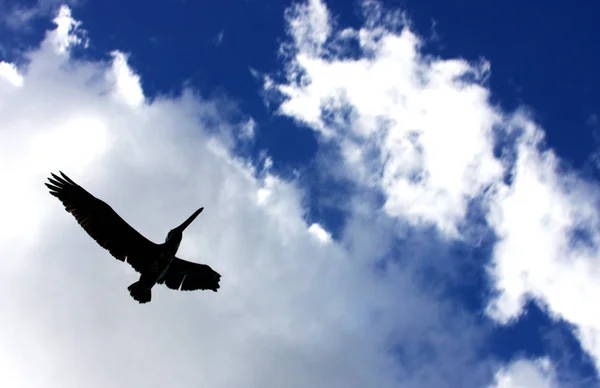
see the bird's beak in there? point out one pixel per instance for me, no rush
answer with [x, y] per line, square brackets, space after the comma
[187, 222]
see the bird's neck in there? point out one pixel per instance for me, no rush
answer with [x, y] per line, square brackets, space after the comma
[171, 246]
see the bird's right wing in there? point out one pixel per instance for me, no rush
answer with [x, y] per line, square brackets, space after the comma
[102, 223]
[187, 276]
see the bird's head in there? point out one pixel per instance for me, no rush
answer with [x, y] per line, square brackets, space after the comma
[175, 235]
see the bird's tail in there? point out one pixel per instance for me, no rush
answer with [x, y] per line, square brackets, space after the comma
[140, 293]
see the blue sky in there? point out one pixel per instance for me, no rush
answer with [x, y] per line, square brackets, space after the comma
[399, 193]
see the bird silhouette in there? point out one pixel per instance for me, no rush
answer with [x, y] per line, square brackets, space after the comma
[156, 263]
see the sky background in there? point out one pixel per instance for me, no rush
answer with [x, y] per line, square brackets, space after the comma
[396, 193]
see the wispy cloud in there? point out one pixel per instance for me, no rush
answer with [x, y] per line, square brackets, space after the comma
[219, 38]
[18, 17]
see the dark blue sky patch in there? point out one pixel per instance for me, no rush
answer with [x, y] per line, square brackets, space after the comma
[174, 42]
[543, 54]
[575, 367]
[580, 237]
[472, 256]
[172, 48]
[328, 197]
[19, 37]
[290, 144]
[534, 335]
[505, 149]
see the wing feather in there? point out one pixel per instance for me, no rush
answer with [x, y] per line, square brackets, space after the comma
[102, 223]
[187, 276]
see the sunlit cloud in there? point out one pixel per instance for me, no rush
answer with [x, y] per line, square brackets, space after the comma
[422, 131]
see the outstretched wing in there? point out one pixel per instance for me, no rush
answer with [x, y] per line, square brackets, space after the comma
[186, 276]
[102, 223]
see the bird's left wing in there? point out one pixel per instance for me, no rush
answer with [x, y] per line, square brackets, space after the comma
[102, 223]
[187, 276]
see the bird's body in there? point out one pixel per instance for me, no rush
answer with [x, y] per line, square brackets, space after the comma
[156, 263]
[161, 265]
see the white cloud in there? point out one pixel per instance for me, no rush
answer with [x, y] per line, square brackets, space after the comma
[9, 72]
[538, 255]
[291, 312]
[414, 128]
[526, 374]
[406, 120]
[127, 83]
[67, 33]
[320, 233]
[310, 25]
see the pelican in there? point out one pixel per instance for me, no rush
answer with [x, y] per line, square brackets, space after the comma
[156, 263]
